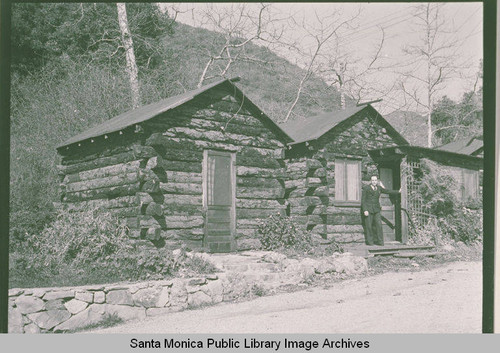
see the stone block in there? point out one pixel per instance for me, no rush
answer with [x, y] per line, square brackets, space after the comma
[31, 328]
[121, 296]
[74, 306]
[326, 265]
[28, 305]
[197, 281]
[348, 264]
[94, 288]
[15, 321]
[87, 297]
[92, 315]
[198, 299]
[215, 290]
[65, 294]
[133, 289]
[147, 297]
[39, 292]
[99, 297]
[126, 312]
[163, 298]
[56, 304]
[49, 319]
[178, 294]
[15, 292]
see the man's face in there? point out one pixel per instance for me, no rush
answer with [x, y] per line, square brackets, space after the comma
[374, 181]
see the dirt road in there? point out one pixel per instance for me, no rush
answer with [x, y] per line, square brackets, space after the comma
[442, 300]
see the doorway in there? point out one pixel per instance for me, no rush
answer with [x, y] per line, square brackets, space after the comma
[219, 190]
[391, 208]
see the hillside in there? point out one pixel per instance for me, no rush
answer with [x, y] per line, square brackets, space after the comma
[271, 83]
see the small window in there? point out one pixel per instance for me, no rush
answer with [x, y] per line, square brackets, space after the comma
[470, 187]
[347, 181]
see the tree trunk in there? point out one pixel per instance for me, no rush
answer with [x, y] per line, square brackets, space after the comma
[129, 51]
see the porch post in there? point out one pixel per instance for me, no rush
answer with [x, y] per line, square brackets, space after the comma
[404, 201]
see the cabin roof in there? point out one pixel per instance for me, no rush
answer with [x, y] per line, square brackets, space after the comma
[149, 111]
[442, 156]
[316, 126]
[471, 146]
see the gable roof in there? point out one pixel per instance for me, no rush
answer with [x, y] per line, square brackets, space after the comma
[316, 126]
[149, 111]
[471, 146]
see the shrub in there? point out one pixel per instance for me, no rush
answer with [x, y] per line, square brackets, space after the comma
[456, 219]
[428, 234]
[22, 223]
[464, 225]
[437, 192]
[86, 247]
[279, 232]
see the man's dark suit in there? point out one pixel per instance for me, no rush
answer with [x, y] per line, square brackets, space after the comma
[370, 201]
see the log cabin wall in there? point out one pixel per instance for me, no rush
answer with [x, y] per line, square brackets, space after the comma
[153, 179]
[349, 140]
[307, 193]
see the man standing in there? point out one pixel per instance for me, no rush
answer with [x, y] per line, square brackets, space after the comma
[370, 206]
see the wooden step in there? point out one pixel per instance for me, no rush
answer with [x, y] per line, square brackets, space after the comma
[384, 253]
[386, 248]
[410, 255]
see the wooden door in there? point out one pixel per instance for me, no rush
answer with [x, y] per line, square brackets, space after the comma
[219, 180]
[388, 206]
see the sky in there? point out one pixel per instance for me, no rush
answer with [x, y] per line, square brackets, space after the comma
[463, 22]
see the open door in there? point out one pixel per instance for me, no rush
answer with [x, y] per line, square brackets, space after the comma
[219, 184]
[390, 207]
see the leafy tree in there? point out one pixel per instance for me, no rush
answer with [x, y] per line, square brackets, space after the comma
[43, 33]
[455, 120]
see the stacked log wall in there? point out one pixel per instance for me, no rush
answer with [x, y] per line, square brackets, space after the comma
[105, 175]
[307, 194]
[218, 123]
[349, 140]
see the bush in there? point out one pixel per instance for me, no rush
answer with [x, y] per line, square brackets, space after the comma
[455, 219]
[437, 193]
[278, 232]
[465, 225]
[429, 234]
[88, 248]
[22, 223]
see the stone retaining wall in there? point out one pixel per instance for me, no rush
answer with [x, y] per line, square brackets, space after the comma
[66, 309]
[36, 310]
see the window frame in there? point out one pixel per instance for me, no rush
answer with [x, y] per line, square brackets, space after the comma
[343, 201]
[475, 174]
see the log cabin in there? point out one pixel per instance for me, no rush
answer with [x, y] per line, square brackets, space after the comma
[334, 153]
[326, 165]
[202, 169]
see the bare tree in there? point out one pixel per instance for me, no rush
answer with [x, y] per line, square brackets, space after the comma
[239, 25]
[435, 61]
[330, 59]
[129, 52]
